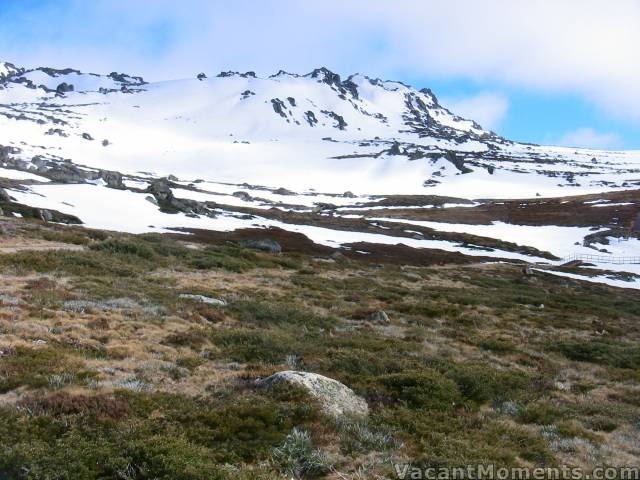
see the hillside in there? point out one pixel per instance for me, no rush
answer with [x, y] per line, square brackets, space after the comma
[343, 161]
[304, 276]
[113, 365]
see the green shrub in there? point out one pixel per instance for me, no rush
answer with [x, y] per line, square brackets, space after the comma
[63, 403]
[426, 309]
[67, 237]
[164, 246]
[482, 383]
[450, 439]
[33, 367]
[421, 389]
[498, 346]
[126, 247]
[542, 414]
[134, 435]
[601, 423]
[283, 314]
[190, 363]
[229, 258]
[75, 263]
[243, 345]
[601, 352]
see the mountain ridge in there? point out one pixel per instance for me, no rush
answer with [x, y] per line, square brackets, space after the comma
[344, 161]
[384, 137]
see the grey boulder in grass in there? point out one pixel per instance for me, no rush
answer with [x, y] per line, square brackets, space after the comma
[264, 244]
[335, 398]
[203, 299]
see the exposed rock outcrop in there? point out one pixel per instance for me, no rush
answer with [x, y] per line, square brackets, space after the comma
[457, 161]
[203, 299]
[64, 87]
[4, 196]
[264, 244]
[168, 203]
[112, 179]
[380, 316]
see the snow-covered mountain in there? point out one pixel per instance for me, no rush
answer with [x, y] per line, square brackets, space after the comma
[211, 151]
[315, 131]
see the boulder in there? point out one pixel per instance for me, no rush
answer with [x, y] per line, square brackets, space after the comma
[65, 173]
[151, 199]
[336, 255]
[161, 190]
[112, 179]
[64, 87]
[283, 191]
[203, 299]
[412, 276]
[264, 244]
[4, 196]
[380, 317]
[242, 196]
[527, 270]
[335, 398]
[395, 149]
[45, 215]
[457, 161]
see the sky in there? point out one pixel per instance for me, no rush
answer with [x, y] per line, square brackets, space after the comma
[563, 72]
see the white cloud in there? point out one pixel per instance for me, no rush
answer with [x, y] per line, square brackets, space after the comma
[487, 108]
[583, 47]
[589, 138]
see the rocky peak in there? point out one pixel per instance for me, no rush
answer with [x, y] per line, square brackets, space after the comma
[230, 73]
[325, 75]
[126, 79]
[429, 93]
[54, 72]
[283, 73]
[9, 69]
[332, 79]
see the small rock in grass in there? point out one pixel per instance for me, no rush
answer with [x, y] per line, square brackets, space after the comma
[264, 244]
[412, 276]
[380, 317]
[203, 299]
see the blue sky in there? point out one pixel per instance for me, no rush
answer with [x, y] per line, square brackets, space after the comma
[542, 71]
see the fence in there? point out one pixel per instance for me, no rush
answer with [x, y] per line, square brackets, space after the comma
[603, 259]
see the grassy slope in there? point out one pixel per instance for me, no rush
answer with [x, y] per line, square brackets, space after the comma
[106, 373]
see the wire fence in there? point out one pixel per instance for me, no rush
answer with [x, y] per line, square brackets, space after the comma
[603, 259]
